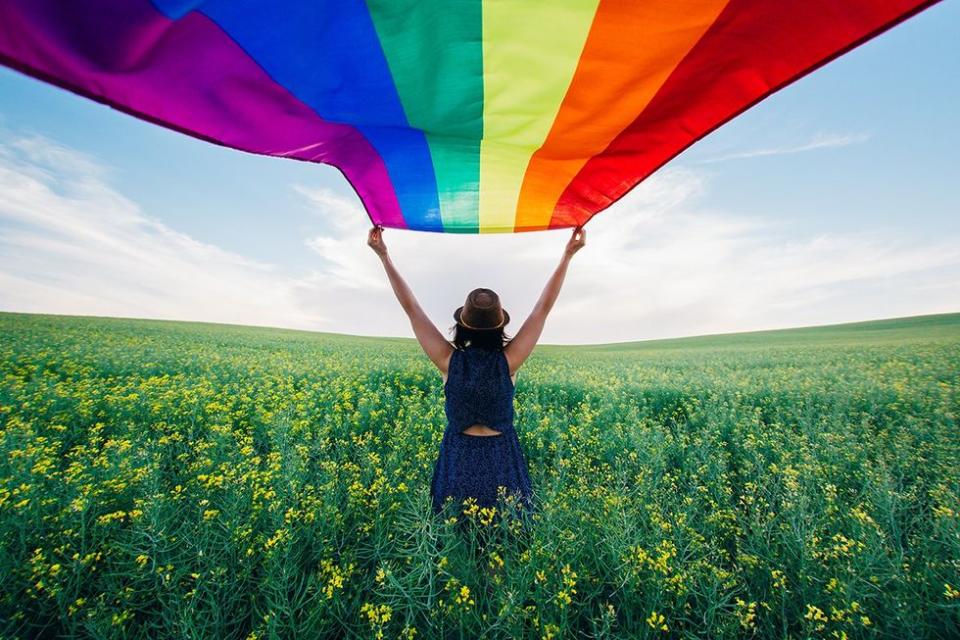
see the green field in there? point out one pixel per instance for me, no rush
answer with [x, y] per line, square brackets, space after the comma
[185, 480]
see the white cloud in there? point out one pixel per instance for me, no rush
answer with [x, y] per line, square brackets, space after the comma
[657, 264]
[669, 266]
[70, 243]
[819, 141]
[660, 263]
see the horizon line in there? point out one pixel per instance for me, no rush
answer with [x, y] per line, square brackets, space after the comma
[545, 344]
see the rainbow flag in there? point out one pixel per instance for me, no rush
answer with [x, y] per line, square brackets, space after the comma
[458, 116]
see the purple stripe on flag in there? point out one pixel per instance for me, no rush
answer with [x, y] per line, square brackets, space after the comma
[186, 75]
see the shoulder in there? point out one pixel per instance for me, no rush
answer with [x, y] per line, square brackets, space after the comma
[511, 365]
[510, 371]
[452, 352]
[445, 370]
[448, 358]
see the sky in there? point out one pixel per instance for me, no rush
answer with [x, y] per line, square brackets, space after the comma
[834, 200]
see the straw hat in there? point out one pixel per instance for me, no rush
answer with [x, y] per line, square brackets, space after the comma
[481, 311]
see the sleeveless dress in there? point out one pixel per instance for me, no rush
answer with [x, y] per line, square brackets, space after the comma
[479, 391]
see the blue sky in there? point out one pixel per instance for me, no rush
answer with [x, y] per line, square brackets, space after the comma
[836, 199]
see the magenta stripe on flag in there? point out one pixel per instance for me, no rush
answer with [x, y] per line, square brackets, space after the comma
[187, 75]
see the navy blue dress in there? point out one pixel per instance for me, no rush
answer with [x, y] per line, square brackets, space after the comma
[479, 391]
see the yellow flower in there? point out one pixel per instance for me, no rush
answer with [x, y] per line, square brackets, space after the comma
[569, 577]
[463, 598]
[816, 615]
[334, 575]
[657, 621]
[377, 616]
[779, 580]
[746, 613]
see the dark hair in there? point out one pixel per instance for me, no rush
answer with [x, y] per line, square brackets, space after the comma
[493, 339]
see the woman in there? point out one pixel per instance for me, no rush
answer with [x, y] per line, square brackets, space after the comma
[480, 450]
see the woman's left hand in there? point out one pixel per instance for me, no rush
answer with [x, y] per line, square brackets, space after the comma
[375, 240]
[577, 239]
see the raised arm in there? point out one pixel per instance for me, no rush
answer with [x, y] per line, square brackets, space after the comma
[526, 339]
[434, 344]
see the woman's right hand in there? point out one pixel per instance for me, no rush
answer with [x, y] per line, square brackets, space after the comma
[576, 242]
[375, 240]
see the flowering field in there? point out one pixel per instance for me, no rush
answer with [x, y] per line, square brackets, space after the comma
[176, 480]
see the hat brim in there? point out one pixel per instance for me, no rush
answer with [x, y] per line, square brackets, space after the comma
[506, 320]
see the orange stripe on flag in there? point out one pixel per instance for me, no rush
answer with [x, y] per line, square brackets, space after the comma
[631, 50]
